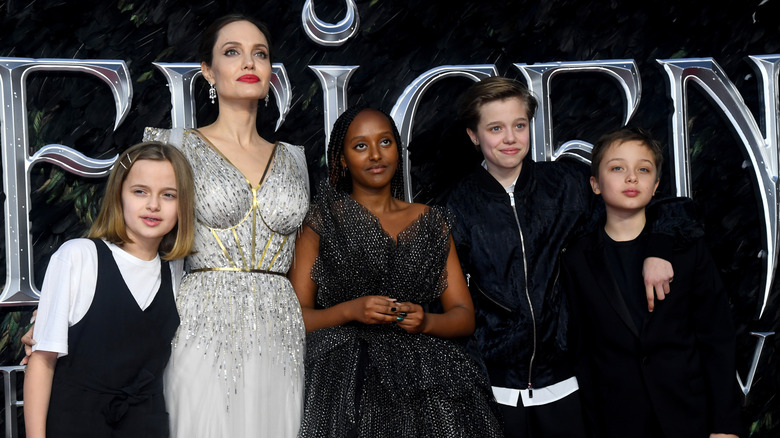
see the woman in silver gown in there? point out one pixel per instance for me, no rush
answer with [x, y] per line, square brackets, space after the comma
[236, 369]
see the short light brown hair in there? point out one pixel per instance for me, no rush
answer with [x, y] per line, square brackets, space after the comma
[490, 90]
[621, 136]
[110, 223]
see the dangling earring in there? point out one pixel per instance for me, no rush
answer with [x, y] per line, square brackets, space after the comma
[343, 172]
[266, 99]
[212, 93]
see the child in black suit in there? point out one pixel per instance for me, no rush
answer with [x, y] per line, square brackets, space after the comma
[669, 373]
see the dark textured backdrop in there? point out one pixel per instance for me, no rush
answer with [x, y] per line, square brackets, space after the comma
[398, 40]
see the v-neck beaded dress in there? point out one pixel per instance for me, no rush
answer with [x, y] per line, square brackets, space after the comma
[236, 369]
[379, 381]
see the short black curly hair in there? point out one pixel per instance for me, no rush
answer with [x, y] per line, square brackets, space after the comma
[338, 175]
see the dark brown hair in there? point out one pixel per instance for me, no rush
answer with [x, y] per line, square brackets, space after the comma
[621, 136]
[209, 37]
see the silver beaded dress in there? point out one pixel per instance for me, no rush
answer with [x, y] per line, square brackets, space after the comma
[377, 381]
[236, 369]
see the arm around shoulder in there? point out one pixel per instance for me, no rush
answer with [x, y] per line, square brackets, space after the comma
[675, 218]
[672, 226]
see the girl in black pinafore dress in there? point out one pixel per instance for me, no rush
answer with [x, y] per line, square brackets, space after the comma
[107, 312]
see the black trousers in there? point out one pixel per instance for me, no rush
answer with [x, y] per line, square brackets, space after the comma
[559, 419]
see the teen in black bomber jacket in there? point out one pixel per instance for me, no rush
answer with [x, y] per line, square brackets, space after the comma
[515, 217]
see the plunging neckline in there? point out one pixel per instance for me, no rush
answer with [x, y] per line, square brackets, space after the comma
[213, 147]
[405, 230]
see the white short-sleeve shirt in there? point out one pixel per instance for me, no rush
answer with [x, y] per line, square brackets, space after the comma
[69, 286]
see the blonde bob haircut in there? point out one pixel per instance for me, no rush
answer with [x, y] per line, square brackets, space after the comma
[110, 223]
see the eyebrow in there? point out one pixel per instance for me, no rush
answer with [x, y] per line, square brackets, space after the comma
[359, 137]
[519, 119]
[146, 186]
[644, 160]
[228, 43]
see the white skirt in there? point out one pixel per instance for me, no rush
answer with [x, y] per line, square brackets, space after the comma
[236, 367]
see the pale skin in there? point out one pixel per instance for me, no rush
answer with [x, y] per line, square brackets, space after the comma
[502, 134]
[371, 154]
[241, 72]
[241, 51]
[627, 179]
[150, 211]
[37, 391]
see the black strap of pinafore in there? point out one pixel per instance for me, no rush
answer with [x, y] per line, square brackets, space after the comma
[117, 348]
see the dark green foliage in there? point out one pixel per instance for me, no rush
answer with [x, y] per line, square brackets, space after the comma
[398, 41]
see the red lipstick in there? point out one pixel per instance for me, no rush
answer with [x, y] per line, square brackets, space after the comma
[249, 79]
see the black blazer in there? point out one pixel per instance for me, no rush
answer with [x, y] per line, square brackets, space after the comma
[676, 371]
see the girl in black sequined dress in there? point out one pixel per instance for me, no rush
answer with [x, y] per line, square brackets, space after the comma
[367, 265]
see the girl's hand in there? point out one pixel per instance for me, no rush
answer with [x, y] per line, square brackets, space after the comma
[28, 340]
[410, 317]
[373, 309]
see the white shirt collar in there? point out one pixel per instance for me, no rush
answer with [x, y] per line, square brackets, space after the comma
[511, 187]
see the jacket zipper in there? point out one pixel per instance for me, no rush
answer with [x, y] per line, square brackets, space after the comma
[527, 293]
